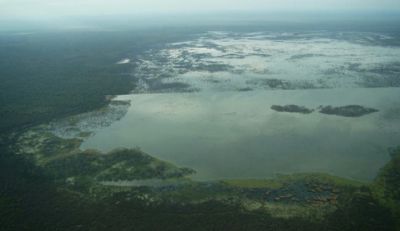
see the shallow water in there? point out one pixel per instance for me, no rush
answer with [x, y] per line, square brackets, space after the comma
[236, 135]
[230, 61]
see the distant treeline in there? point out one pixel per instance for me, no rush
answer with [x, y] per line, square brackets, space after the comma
[47, 75]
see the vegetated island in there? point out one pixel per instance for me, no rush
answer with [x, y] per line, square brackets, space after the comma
[292, 108]
[347, 111]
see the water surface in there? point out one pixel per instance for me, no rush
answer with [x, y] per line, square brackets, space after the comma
[235, 134]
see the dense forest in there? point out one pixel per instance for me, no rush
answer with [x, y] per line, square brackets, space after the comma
[48, 75]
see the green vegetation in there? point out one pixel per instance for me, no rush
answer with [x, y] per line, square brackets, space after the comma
[62, 159]
[122, 164]
[47, 183]
[47, 208]
[281, 180]
[44, 146]
[386, 187]
[49, 75]
[388, 179]
[254, 183]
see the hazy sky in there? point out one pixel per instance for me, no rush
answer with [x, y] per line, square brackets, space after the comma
[39, 8]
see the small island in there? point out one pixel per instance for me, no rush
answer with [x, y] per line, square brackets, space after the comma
[347, 111]
[292, 108]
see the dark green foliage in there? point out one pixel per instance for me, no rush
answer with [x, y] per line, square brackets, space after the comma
[57, 145]
[120, 164]
[120, 214]
[389, 176]
[28, 201]
[45, 76]
[48, 75]
[362, 212]
[85, 163]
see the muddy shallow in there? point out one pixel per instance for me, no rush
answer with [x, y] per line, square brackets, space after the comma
[236, 134]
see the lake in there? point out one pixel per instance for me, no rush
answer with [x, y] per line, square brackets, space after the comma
[235, 134]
